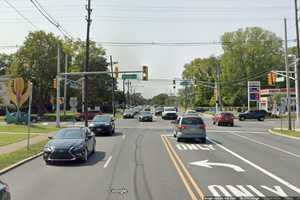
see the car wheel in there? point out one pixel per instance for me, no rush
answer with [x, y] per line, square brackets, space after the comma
[113, 131]
[48, 162]
[231, 124]
[214, 122]
[242, 118]
[179, 139]
[204, 140]
[261, 119]
[86, 155]
[94, 148]
[219, 124]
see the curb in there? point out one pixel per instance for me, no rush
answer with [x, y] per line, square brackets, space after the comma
[282, 135]
[9, 168]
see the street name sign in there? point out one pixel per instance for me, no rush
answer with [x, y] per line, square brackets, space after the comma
[129, 76]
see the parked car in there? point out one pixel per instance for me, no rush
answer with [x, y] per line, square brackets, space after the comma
[158, 111]
[259, 115]
[169, 113]
[200, 109]
[145, 116]
[70, 144]
[191, 112]
[4, 191]
[190, 127]
[129, 114]
[90, 115]
[224, 118]
[102, 124]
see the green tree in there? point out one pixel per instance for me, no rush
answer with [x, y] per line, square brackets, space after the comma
[5, 61]
[202, 71]
[163, 100]
[36, 61]
[248, 54]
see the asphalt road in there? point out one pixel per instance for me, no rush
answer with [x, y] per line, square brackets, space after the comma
[144, 162]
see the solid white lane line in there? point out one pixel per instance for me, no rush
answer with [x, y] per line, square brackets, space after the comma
[107, 162]
[268, 145]
[230, 131]
[266, 172]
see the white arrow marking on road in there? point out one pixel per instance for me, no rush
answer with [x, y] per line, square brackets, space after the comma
[205, 163]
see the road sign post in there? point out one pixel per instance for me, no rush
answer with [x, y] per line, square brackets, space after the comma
[253, 93]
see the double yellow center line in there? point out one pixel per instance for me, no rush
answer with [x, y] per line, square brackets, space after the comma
[192, 188]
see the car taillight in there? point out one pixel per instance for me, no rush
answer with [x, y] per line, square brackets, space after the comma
[182, 127]
[6, 188]
[202, 126]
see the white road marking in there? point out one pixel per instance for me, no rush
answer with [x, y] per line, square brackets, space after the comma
[107, 162]
[266, 172]
[195, 147]
[268, 145]
[207, 164]
[123, 136]
[243, 191]
[277, 190]
[230, 131]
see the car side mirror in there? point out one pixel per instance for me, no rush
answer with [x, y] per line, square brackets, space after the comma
[50, 137]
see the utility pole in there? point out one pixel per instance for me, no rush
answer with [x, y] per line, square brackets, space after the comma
[87, 57]
[124, 96]
[58, 89]
[288, 97]
[113, 87]
[297, 72]
[217, 88]
[65, 86]
[128, 95]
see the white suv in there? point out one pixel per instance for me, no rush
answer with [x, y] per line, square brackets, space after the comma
[169, 113]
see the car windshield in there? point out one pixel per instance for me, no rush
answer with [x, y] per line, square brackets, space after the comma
[170, 109]
[102, 118]
[146, 113]
[70, 134]
[191, 121]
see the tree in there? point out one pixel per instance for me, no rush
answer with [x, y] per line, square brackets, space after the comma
[5, 61]
[163, 100]
[202, 71]
[248, 55]
[36, 61]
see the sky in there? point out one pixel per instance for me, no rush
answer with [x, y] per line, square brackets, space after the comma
[146, 21]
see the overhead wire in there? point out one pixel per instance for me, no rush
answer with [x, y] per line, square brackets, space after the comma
[49, 18]
[21, 14]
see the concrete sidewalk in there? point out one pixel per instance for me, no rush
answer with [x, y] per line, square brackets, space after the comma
[22, 144]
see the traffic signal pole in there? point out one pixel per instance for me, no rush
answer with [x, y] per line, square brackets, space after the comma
[58, 89]
[113, 87]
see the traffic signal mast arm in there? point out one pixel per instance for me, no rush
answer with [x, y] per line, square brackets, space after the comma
[282, 73]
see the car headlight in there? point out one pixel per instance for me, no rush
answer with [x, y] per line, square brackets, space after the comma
[91, 125]
[49, 149]
[107, 124]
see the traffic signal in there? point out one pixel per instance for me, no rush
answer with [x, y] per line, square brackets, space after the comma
[54, 83]
[145, 73]
[174, 82]
[271, 78]
[117, 72]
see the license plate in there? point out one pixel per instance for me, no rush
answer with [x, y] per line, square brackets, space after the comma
[193, 129]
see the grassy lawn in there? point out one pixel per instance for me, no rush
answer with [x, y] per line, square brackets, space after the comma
[290, 133]
[14, 157]
[6, 139]
[36, 128]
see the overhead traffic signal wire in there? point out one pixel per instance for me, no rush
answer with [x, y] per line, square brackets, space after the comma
[49, 18]
[19, 13]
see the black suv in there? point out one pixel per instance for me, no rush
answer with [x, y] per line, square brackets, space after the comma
[260, 115]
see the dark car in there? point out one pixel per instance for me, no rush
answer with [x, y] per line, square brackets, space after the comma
[4, 191]
[145, 116]
[224, 118]
[129, 114]
[90, 115]
[158, 111]
[102, 124]
[259, 115]
[200, 109]
[22, 116]
[70, 144]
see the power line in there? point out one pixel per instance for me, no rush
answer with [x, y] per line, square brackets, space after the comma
[23, 16]
[49, 18]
